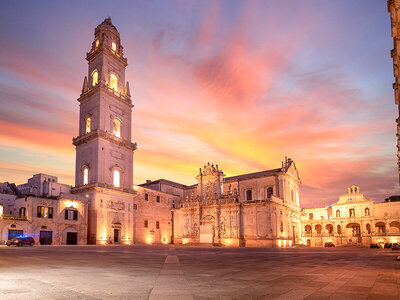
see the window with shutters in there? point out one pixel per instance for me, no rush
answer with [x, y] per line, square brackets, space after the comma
[71, 214]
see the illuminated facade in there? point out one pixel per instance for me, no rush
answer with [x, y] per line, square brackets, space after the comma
[60, 220]
[353, 220]
[257, 209]
[104, 151]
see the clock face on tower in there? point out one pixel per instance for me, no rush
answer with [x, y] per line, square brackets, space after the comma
[350, 199]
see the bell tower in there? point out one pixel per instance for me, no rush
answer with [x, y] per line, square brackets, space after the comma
[104, 151]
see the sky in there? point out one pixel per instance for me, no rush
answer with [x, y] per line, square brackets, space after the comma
[238, 83]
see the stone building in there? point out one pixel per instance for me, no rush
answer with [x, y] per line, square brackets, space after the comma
[104, 152]
[353, 220]
[257, 209]
[43, 185]
[54, 221]
[394, 9]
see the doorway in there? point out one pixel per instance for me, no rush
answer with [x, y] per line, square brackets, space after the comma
[46, 237]
[116, 235]
[72, 238]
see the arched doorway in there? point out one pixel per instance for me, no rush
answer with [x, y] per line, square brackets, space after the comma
[308, 229]
[380, 228]
[329, 229]
[395, 227]
[318, 228]
[353, 233]
[207, 226]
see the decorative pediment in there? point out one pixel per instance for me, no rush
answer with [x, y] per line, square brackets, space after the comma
[292, 170]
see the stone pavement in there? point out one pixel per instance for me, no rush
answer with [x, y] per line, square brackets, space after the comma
[152, 272]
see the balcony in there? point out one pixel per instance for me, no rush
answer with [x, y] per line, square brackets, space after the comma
[9, 217]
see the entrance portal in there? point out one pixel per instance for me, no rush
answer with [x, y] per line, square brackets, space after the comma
[207, 230]
[116, 235]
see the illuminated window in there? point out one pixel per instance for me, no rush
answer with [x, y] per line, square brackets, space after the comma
[1, 210]
[114, 46]
[44, 212]
[95, 77]
[97, 43]
[113, 82]
[85, 175]
[116, 179]
[88, 124]
[117, 128]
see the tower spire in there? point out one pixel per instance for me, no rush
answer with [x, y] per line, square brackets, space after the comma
[85, 85]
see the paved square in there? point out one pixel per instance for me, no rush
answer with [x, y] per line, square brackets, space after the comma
[144, 272]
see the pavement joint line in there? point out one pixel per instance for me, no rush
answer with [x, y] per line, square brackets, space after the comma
[162, 288]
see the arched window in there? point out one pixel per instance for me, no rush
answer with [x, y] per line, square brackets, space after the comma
[88, 124]
[116, 178]
[117, 127]
[113, 82]
[85, 171]
[367, 211]
[114, 46]
[338, 214]
[95, 77]
[270, 192]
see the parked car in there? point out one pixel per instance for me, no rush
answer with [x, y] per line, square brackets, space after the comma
[329, 245]
[20, 241]
[388, 245]
[375, 246]
[395, 246]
